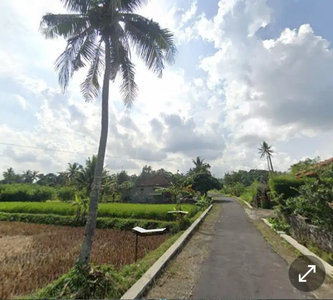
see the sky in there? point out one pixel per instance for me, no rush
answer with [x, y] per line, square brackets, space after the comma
[247, 71]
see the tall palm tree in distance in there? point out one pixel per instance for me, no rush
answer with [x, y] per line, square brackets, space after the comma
[266, 150]
[100, 33]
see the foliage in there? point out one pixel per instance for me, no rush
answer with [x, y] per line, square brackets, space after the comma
[102, 222]
[203, 182]
[250, 191]
[66, 193]
[204, 202]
[235, 189]
[81, 204]
[279, 225]
[314, 201]
[304, 165]
[246, 177]
[266, 150]
[113, 210]
[26, 193]
[285, 186]
[200, 167]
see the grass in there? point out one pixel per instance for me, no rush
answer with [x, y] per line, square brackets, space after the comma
[33, 256]
[110, 210]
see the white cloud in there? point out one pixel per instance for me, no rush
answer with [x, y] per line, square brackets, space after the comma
[255, 90]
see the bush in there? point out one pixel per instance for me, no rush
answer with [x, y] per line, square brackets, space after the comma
[103, 223]
[235, 189]
[67, 193]
[283, 187]
[313, 203]
[249, 192]
[111, 210]
[26, 193]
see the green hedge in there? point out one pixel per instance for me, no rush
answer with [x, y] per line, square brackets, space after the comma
[115, 223]
[110, 210]
[26, 193]
[285, 186]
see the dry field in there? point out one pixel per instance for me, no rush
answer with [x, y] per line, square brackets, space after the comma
[33, 255]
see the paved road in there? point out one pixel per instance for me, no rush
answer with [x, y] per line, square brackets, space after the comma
[242, 264]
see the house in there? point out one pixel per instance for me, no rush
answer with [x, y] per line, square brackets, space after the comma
[147, 191]
[322, 165]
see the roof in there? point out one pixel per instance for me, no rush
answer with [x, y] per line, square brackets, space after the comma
[323, 163]
[156, 180]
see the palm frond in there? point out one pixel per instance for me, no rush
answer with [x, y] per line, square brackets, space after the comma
[121, 62]
[70, 60]
[153, 44]
[131, 5]
[65, 25]
[81, 6]
[90, 86]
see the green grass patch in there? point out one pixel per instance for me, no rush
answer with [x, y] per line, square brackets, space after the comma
[114, 223]
[101, 282]
[110, 210]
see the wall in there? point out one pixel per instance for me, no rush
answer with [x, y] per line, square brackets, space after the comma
[300, 230]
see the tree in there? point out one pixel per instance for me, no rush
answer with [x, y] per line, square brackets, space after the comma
[10, 176]
[266, 150]
[200, 166]
[85, 176]
[72, 171]
[122, 177]
[100, 33]
[203, 182]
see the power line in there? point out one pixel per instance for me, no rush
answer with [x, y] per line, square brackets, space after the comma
[56, 150]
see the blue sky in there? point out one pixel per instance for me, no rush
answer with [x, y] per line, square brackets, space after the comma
[247, 71]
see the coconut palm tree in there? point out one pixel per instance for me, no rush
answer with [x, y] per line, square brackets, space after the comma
[72, 171]
[266, 150]
[100, 33]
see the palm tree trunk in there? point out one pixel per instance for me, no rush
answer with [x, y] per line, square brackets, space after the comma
[93, 206]
[270, 160]
[269, 167]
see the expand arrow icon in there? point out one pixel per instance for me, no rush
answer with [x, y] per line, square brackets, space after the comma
[312, 268]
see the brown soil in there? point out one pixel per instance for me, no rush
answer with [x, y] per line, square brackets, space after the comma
[179, 278]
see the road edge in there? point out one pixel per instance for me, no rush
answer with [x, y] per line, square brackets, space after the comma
[140, 287]
[328, 269]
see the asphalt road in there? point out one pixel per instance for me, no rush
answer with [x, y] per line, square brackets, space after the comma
[242, 264]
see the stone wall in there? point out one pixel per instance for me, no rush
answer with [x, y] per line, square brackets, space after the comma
[301, 230]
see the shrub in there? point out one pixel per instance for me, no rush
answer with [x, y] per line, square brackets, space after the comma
[313, 203]
[26, 193]
[250, 191]
[235, 189]
[111, 210]
[67, 193]
[103, 223]
[204, 202]
[284, 186]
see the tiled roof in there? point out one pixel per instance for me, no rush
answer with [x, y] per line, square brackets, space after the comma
[323, 163]
[156, 180]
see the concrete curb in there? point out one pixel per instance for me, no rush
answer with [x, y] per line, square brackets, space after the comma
[328, 269]
[247, 203]
[139, 288]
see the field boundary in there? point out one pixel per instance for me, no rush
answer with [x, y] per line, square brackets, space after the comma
[140, 287]
[328, 269]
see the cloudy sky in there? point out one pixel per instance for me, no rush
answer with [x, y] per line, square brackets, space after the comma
[246, 71]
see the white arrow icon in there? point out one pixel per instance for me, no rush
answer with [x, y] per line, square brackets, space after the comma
[302, 278]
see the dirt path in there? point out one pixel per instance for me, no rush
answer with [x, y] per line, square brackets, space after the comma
[180, 277]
